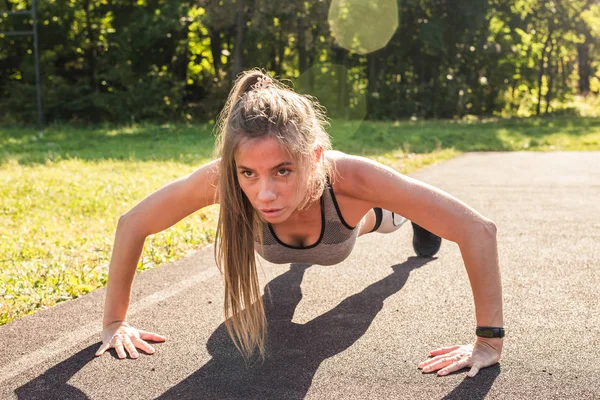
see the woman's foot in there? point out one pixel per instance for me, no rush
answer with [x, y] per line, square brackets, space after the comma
[425, 243]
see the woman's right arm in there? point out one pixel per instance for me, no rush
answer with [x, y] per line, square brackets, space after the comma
[157, 212]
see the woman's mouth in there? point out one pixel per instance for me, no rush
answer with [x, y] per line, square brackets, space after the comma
[270, 212]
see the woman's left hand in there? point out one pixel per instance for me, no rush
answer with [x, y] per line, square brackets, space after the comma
[484, 353]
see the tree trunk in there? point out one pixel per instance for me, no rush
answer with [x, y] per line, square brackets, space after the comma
[493, 91]
[541, 75]
[551, 74]
[91, 51]
[372, 73]
[583, 52]
[371, 82]
[277, 54]
[274, 46]
[280, 56]
[302, 57]
[181, 65]
[513, 105]
[237, 66]
[215, 49]
[585, 70]
[341, 58]
[312, 56]
[563, 72]
[230, 39]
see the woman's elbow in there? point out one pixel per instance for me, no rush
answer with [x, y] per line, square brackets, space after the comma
[477, 229]
[133, 225]
[490, 227]
[126, 219]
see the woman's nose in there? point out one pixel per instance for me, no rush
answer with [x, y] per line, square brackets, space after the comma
[266, 193]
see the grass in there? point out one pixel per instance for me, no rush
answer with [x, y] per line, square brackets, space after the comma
[61, 195]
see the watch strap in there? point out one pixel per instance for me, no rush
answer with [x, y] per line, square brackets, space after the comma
[490, 331]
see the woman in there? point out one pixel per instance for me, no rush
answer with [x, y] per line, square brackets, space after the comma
[284, 194]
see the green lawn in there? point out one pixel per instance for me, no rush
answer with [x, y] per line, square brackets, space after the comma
[62, 194]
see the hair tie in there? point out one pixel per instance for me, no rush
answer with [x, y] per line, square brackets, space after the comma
[263, 83]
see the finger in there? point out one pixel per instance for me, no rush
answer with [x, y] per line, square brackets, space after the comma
[464, 363]
[102, 349]
[430, 361]
[474, 370]
[151, 336]
[444, 362]
[133, 353]
[119, 349]
[435, 359]
[443, 350]
[140, 344]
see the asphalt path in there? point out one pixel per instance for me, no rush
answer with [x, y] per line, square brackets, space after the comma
[357, 330]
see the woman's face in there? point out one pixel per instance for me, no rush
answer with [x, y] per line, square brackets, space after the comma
[270, 178]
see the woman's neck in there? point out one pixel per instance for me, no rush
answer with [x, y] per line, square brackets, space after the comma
[309, 214]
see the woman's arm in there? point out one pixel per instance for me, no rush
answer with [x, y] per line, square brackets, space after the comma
[157, 212]
[442, 214]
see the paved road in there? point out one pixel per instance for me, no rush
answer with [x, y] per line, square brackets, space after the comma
[357, 330]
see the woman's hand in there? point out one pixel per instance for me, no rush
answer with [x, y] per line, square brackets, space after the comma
[484, 353]
[121, 336]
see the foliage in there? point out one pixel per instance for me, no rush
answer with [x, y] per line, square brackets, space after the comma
[159, 60]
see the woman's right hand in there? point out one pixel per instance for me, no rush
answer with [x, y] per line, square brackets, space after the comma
[121, 336]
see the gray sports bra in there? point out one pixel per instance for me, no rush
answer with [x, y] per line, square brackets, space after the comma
[333, 246]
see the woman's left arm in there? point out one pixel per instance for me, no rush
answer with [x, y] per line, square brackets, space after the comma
[451, 219]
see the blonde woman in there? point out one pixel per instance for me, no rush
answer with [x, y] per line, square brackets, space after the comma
[284, 194]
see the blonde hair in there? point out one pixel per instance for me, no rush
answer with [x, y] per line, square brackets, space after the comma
[259, 107]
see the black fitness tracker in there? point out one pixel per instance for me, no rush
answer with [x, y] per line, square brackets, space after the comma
[489, 332]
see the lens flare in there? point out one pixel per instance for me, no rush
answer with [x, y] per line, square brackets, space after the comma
[363, 26]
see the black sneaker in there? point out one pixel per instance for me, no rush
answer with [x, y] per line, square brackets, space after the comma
[425, 243]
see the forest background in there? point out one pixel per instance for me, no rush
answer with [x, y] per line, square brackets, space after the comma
[156, 60]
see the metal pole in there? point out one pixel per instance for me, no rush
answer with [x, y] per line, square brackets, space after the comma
[22, 12]
[16, 33]
[37, 71]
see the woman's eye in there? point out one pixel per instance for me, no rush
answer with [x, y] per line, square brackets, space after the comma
[283, 172]
[247, 174]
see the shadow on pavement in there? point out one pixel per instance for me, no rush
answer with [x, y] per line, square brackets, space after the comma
[475, 388]
[295, 351]
[52, 384]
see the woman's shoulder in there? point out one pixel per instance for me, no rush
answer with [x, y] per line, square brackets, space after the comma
[341, 164]
[340, 158]
[348, 172]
